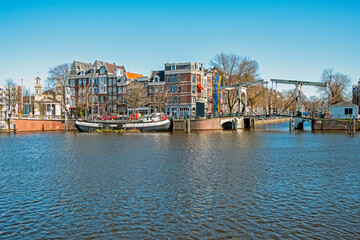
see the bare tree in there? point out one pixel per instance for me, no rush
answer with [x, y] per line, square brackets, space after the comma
[234, 69]
[313, 103]
[136, 95]
[57, 81]
[11, 95]
[337, 86]
[83, 100]
[160, 99]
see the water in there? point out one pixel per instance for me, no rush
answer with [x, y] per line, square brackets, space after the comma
[262, 184]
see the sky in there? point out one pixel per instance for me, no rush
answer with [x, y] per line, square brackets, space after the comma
[289, 39]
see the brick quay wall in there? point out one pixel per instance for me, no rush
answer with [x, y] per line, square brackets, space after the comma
[42, 125]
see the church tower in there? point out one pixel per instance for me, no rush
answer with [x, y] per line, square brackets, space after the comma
[38, 88]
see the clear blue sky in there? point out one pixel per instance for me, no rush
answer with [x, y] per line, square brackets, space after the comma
[289, 39]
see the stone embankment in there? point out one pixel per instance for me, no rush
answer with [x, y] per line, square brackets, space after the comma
[271, 121]
[24, 125]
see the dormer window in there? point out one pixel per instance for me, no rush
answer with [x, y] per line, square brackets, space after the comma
[173, 67]
[102, 71]
[82, 72]
[156, 79]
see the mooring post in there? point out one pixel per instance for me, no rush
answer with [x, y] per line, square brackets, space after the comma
[354, 126]
[290, 123]
[14, 128]
[187, 127]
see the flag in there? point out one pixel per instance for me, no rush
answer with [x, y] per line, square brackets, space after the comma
[199, 86]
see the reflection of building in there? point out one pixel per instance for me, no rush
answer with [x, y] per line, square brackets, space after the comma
[46, 103]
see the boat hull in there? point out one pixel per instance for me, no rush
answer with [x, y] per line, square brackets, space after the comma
[88, 126]
[157, 126]
[160, 126]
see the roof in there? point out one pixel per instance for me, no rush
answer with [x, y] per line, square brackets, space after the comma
[344, 104]
[157, 73]
[77, 66]
[110, 68]
[133, 75]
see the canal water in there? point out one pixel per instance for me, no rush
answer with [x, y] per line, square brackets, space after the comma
[266, 183]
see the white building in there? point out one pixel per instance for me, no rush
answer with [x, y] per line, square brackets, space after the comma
[344, 110]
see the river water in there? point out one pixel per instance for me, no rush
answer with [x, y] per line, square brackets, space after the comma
[266, 183]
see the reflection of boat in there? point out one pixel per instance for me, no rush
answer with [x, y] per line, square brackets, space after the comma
[151, 123]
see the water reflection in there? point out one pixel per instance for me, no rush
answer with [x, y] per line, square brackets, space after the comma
[263, 183]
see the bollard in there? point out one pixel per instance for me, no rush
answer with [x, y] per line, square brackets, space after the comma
[14, 128]
[187, 127]
[353, 128]
[290, 124]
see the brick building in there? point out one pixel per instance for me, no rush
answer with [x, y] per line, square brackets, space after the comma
[99, 87]
[183, 87]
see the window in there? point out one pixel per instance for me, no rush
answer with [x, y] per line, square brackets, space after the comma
[156, 90]
[179, 99]
[168, 89]
[174, 100]
[37, 91]
[193, 88]
[179, 89]
[173, 89]
[193, 100]
[120, 90]
[150, 89]
[110, 81]
[173, 67]
[114, 81]
[101, 99]
[80, 82]
[193, 78]
[80, 100]
[72, 83]
[95, 89]
[348, 111]
[179, 78]
[102, 71]
[72, 101]
[72, 91]
[156, 79]
[168, 79]
[95, 81]
[110, 90]
[173, 78]
[84, 82]
[124, 90]
[80, 92]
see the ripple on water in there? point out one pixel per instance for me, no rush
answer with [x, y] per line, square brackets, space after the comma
[244, 184]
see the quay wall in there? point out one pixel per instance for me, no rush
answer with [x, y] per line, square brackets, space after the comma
[198, 124]
[42, 125]
[332, 124]
[271, 121]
